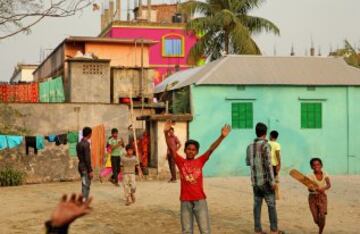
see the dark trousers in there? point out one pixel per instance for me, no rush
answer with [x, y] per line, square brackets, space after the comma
[85, 184]
[115, 164]
[264, 192]
[172, 168]
[30, 142]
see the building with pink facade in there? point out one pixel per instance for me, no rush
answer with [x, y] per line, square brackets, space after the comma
[166, 27]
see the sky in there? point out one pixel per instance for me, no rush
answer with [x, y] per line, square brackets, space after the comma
[325, 22]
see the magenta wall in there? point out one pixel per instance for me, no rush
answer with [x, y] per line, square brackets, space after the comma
[162, 64]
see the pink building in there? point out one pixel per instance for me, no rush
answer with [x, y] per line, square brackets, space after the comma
[166, 27]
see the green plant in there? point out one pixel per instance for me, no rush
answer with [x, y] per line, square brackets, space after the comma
[10, 176]
[225, 26]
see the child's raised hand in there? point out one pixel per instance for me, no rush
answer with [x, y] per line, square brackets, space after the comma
[225, 130]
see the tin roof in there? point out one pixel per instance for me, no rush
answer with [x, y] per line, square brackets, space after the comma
[263, 70]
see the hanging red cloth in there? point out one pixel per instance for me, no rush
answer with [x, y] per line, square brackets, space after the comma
[144, 143]
[97, 146]
[19, 92]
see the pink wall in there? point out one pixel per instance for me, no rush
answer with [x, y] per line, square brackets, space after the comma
[162, 64]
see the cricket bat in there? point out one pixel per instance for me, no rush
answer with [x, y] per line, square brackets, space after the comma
[297, 175]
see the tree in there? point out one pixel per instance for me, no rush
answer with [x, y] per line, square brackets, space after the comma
[225, 26]
[18, 16]
[351, 56]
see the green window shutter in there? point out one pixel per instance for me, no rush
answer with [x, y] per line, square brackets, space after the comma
[311, 115]
[242, 115]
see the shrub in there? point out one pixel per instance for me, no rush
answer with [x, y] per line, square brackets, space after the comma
[11, 177]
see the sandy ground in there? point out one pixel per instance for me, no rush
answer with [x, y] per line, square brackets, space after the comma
[25, 208]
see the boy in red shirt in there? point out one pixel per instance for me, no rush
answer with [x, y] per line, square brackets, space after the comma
[192, 197]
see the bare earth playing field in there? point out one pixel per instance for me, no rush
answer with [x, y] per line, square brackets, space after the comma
[25, 208]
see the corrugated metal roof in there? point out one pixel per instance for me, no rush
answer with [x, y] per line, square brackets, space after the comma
[262, 70]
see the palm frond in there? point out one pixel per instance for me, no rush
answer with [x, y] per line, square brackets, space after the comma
[258, 24]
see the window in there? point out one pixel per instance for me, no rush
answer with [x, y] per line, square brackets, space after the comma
[173, 45]
[311, 116]
[242, 115]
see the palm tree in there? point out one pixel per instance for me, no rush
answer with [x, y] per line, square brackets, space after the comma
[351, 56]
[225, 26]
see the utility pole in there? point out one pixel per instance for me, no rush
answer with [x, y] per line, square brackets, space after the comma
[142, 76]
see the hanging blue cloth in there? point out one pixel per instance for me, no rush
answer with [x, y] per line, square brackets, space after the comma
[10, 141]
[3, 142]
[14, 141]
[51, 138]
[40, 142]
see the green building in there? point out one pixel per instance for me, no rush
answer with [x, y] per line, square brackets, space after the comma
[313, 102]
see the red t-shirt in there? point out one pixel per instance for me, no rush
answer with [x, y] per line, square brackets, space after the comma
[191, 177]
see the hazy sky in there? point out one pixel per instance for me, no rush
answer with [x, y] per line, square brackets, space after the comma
[327, 22]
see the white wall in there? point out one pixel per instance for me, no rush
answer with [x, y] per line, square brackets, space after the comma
[181, 133]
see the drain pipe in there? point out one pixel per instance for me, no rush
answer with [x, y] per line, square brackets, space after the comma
[347, 131]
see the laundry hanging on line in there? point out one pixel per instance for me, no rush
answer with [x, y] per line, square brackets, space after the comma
[97, 143]
[52, 90]
[51, 138]
[10, 141]
[22, 92]
[30, 142]
[72, 138]
[61, 139]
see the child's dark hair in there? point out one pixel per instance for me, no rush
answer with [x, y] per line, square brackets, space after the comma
[260, 129]
[314, 160]
[192, 142]
[86, 131]
[274, 134]
[128, 146]
[114, 130]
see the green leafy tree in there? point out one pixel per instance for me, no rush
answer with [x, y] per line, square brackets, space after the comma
[225, 26]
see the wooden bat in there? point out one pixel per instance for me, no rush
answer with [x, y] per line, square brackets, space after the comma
[297, 175]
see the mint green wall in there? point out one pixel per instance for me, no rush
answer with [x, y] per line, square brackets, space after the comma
[279, 108]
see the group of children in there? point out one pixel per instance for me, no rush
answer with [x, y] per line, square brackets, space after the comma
[264, 159]
[121, 161]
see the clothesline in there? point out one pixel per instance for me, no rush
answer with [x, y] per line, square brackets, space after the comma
[71, 138]
[51, 90]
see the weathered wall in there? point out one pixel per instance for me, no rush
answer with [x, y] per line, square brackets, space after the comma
[54, 163]
[124, 80]
[51, 65]
[89, 81]
[56, 118]
[49, 165]
[279, 108]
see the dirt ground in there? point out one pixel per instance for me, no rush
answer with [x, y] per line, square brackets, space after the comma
[24, 209]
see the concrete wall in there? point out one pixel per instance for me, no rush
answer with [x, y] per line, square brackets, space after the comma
[57, 118]
[54, 163]
[162, 163]
[51, 66]
[125, 55]
[25, 75]
[49, 165]
[89, 81]
[279, 108]
[124, 80]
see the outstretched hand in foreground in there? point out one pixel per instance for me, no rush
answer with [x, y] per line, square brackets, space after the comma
[69, 209]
